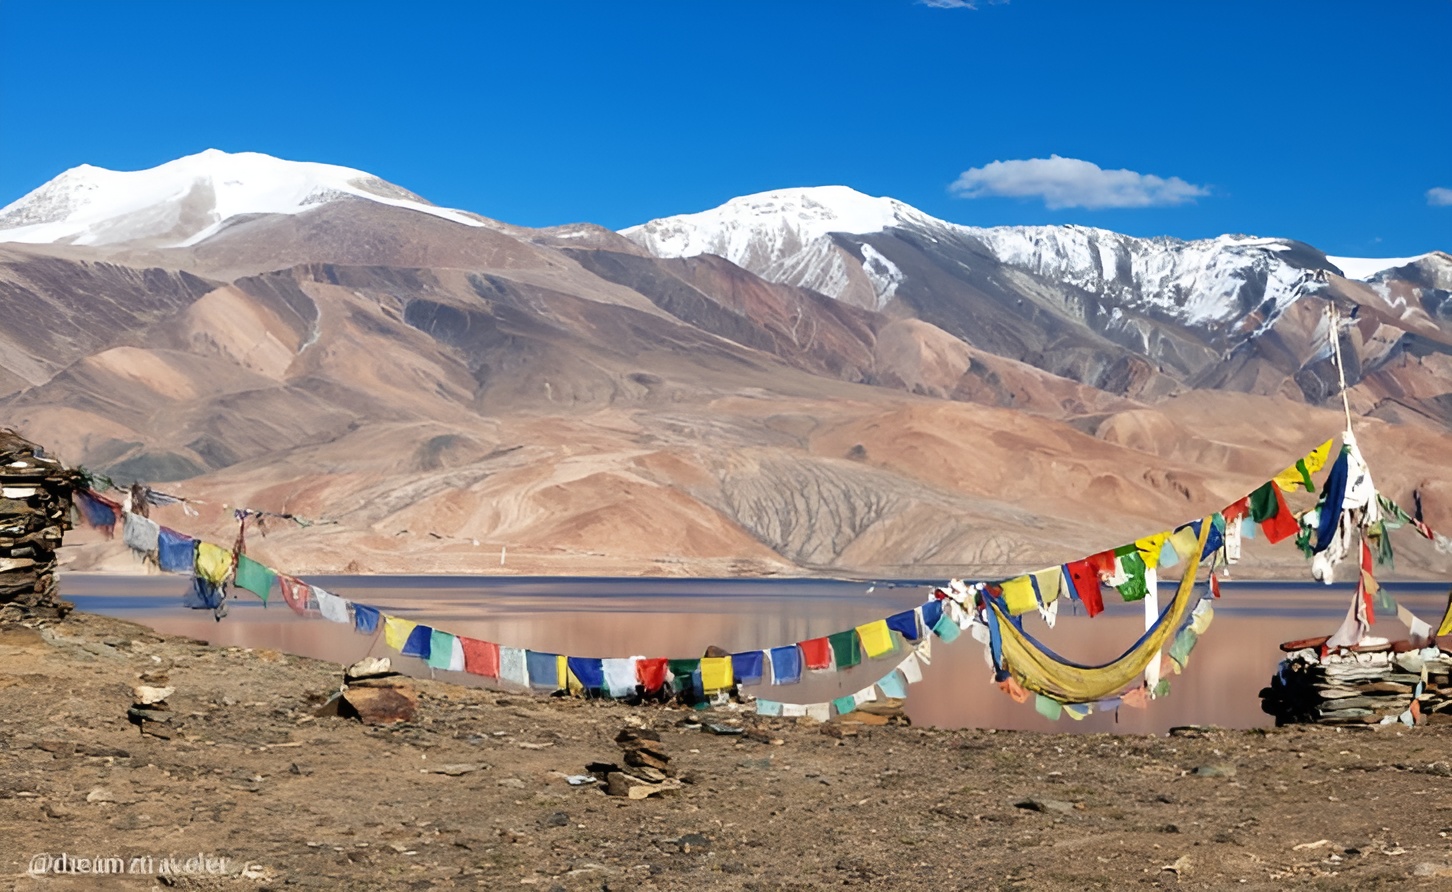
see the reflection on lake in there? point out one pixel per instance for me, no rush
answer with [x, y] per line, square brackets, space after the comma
[682, 617]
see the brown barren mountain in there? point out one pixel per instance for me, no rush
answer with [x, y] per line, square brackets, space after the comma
[487, 398]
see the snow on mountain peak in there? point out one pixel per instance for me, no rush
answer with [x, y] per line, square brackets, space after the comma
[1365, 267]
[184, 201]
[796, 216]
[782, 235]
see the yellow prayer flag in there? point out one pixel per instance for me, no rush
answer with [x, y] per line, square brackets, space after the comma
[876, 639]
[1446, 625]
[213, 562]
[1149, 549]
[396, 631]
[1050, 582]
[716, 673]
[1018, 595]
[1291, 479]
[563, 675]
[1184, 541]
[1200, 619]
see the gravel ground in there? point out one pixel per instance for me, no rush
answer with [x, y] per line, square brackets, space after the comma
[472, 794]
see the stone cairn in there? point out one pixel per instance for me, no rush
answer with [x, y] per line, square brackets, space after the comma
[647, 770]
[35, 508]
[1365, 686]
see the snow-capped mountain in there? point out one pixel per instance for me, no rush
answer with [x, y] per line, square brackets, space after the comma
[183, 202]
[1140, 316]
[795, 236]
[784, 236]
[1367, 268]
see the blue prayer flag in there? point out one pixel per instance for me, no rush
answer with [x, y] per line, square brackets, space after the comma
[747, 666]
[786, 664]
[905, 623]
[932, 611]
[176, 552]
[590, 672]
[365, 619]
[419, 642]
[893, 686]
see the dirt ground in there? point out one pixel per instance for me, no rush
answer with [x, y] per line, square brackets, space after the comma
[472, 794]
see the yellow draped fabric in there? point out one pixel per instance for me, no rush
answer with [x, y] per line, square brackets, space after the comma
[1038, 672]
[1018, 594]
[1291, 480]
[1446, 625]
[716, 673]
[876, 638]
[213, 562]
[396, 631]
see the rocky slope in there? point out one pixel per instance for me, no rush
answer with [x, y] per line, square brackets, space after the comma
[451, 389]
[1140, 317]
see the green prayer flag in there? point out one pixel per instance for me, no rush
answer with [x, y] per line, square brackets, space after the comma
[441, 649]
[1048, 707]
[845, 704]
[1136, 588]
[946, 629]
[845, 648]
[1162, 689]
[682, 670]
[1305, 475]
[1183, 644]
[1380, 544]
[254, 577]
[1263, 503]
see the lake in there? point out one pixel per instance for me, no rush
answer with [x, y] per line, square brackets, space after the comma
[604, 617]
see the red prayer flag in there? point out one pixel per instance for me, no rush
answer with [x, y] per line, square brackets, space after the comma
[817, 653]
[1086, 585]
[480, 657]
[1284, 525]
[296, 593]
[1102, 563]
[1237, 510]
[1366, 590]
[651, 674]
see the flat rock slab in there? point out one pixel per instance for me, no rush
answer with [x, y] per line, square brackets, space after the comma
[381, 705]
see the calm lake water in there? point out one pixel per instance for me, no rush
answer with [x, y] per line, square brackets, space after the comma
[599, 617]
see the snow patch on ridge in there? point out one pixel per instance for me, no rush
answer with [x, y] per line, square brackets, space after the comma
[883, 273]
[183, 202]
[1365, 267]
[1197, 282]
[787, 236]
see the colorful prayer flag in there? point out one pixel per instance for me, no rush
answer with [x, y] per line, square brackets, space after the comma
[716, 673]
[254, 577]
[876, 639]
[786, 664]
[845, 650]
[396, 631]
[480, 657]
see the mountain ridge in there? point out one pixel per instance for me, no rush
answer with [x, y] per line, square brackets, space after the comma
[567, 394]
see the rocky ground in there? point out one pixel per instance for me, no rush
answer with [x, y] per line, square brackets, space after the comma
[472, 793]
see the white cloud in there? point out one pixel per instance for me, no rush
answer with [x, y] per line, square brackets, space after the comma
[960, 4]
[1072, 183]
[1439, 196]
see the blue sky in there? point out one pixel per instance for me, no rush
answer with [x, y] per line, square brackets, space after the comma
[1326, 121]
